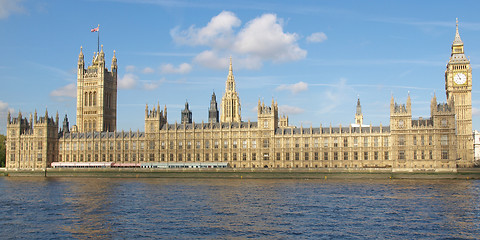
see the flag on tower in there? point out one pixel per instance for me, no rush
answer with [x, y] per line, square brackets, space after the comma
[95, 29]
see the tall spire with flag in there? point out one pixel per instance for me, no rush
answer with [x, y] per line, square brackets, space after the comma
[97, 29]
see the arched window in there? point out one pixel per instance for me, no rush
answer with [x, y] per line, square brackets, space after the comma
[90, 98]
[94, 98]
[86, 99]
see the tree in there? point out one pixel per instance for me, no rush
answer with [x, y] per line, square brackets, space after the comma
[3, 151]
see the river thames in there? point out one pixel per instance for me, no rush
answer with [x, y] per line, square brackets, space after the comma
[130, 208]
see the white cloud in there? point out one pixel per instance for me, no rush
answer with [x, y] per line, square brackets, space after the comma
[3, 106]
[475, 111]
[218, 32]
[290, 110]
[128, 81]
[261, 39]
[148, 70]
[181, 69]
[69, 90]
[317, 37]
[210, 59]
[334, 96]
[152, 85]
[130, 68]
[264, 37]
[7, 7]
[294, 88]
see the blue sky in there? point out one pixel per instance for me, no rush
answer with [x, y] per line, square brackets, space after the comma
[314, 58]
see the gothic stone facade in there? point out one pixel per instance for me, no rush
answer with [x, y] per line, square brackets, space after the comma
[436, 143]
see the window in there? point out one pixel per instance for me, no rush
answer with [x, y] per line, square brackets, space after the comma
[198, 145]
[180, 145]
[444, 140]
[430, 140]
[335, 156]
[278, 156]
[375, 155]
[385, 155]
[365, 155]
[325, 142]
[444, 154]
[401, 155]
[414, 140]
[306, 156]
[265, 143]
[254, 144]
[414, 154]
[385, 141]
[287, 156]
[316, 156]
[355, 142]
[365, 141]
[126, 146]
[401, 140]
[335, 142]
[215, 144]
[422, 139]
[244, 157]
[355, 155]
[345, 142]
[225, 144]
[325, 156]
[207, 144]
[297, 156]
[254, 156]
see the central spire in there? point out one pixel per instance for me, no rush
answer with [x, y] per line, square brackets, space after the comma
[230, 106]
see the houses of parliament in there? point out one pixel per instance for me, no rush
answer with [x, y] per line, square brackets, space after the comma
[441, 142]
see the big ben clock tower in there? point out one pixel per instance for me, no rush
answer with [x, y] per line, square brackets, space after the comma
[458, 86]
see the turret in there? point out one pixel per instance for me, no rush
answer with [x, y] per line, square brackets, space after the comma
[213, 110]
[186, 114]
[114, 62]
[66, 128]
[358, 114]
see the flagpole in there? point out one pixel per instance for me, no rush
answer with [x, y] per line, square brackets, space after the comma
[98, 39]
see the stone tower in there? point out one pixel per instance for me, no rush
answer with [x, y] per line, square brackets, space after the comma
[186, 114]
[213, 110]
[458, 87]
[96, 94]
[230, 101]
[155, 119]
[358, 114]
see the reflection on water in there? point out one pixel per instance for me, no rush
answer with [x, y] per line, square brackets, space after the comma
[104, 208]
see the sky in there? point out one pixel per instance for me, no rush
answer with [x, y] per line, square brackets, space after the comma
[315, 58]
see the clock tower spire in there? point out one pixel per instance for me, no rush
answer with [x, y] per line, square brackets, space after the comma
[458, 87]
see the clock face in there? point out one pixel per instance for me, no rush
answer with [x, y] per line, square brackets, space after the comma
[460, 78]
